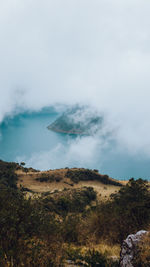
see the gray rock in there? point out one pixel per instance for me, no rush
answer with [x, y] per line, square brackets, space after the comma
[129, 249]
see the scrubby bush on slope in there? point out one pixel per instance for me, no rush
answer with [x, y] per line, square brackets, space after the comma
[25, 229]
[33, 231]
[71, 200]
[7, 174]
[78, 175]
[143, 252]
[126, 213]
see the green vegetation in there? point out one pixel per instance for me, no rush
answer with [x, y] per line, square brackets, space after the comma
[78, 175]
[72, 122]
[49, 178]
[143, 252]
[127, 212]
[71, 200]
[42, 231]
[7, 174]
[26, 230]
[90, 257]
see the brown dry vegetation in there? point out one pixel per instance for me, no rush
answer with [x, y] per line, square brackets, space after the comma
[143, 254]
[28, 180]
[71, 215]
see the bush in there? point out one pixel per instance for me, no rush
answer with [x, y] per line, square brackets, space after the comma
[73, 200]
[143, 252]
[126, 213]
[7, 173]
[70, 229]
[78, 175]
[91, 258]
[27, 231]
[132, 207]
[45, 177]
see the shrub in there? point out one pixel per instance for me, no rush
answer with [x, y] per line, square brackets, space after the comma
[78, 175]
[27, 231]
[143, 252]
[7, 173]
[70, 229]
[22, 164]
[126, 213]
[46, 177]
[71, 200]
[91, 258]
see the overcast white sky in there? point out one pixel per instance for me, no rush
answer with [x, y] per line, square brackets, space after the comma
[69, 51]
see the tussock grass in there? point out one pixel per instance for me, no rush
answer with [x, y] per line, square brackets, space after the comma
[143, 256]
[31, 180]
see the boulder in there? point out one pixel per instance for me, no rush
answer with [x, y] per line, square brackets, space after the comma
[129, 249]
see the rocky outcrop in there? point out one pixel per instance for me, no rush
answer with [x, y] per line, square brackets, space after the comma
[77, 120]
[129, 249]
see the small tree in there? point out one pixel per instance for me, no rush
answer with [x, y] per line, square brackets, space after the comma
[131, 207]
[22, 164]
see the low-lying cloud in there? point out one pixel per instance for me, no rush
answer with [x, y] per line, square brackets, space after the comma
[81, 152]
[67, 52]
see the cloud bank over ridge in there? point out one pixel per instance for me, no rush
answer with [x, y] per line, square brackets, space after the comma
[68, 52]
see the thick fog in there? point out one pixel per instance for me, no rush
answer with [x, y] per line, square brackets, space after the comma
[88, 52]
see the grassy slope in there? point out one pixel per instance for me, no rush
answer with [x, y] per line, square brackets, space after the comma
[28, 180]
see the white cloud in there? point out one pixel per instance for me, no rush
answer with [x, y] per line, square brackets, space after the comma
[83, 151]
[67, 51]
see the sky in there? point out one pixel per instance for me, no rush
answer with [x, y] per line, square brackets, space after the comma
[79, 51]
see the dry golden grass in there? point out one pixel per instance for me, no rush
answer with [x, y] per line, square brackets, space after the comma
[144, 250]
[28, 180]
[103, 191]
[103, 247]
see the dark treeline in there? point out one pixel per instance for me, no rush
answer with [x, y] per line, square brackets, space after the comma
[39, 231]
[78, 175]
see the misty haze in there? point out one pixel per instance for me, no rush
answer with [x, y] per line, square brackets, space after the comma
[74, 133]
[68, 53]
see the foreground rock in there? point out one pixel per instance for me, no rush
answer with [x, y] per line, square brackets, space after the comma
[129, 249]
